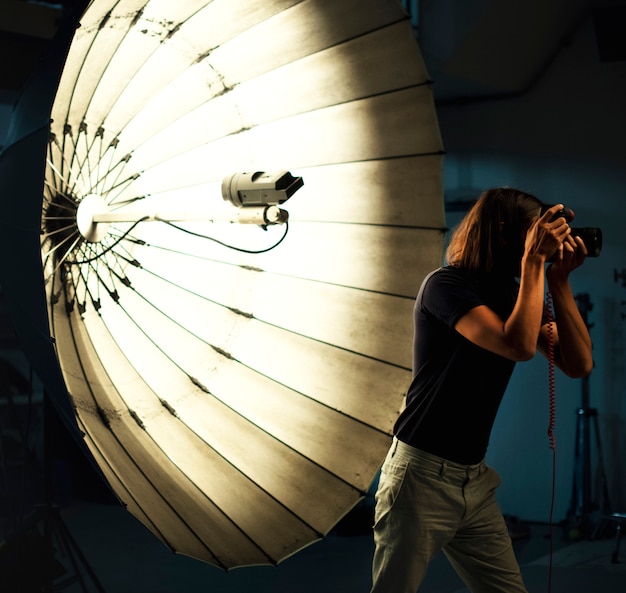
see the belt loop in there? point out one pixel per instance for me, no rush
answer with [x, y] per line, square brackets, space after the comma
[394, 446]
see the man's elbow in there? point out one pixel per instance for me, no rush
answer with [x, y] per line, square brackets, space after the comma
[578, 368]
[522, 354]
[523, 350]
[580, 372]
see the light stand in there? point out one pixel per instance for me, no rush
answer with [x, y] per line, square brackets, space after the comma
[56, 534]
[582, 504]
[618, 518]
[43, 555]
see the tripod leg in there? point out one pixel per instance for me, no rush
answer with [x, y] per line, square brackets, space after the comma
[618, 539]
[605, 505]
[59, 539]
[74, 552]
[577, 505]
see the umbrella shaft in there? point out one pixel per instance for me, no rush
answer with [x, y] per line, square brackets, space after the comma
[255, 215]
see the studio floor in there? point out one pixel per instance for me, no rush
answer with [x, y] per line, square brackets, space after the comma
[125, 557]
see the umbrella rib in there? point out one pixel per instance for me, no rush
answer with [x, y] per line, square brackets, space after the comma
[78, 173]
[114, 170]
[379, 158]
[86, 163]
[63, 258]
[100, 26]
[53, 141]
[365, 33]
[52, 251]
[58, 230]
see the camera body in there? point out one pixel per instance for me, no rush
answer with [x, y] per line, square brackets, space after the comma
[591, 236]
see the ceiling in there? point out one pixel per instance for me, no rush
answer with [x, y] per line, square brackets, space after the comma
[478, 48]
[472, 48]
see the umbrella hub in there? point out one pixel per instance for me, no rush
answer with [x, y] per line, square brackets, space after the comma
[88, 207]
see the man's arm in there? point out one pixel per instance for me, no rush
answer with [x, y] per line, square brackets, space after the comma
[570, 336]
[517, 337]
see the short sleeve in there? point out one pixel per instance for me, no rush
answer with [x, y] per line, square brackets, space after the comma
[447, 295]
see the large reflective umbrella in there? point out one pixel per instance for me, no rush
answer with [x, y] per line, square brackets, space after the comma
[237, 383]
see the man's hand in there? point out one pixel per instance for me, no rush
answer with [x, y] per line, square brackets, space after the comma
[546, 236]
[569, 256]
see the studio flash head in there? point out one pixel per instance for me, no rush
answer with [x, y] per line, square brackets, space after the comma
[259, 188]
[591, 236]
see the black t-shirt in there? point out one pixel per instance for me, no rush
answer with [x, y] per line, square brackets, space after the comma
[457, 386]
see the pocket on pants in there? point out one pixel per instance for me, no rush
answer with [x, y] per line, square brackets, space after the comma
[389, 487]
[493, 478]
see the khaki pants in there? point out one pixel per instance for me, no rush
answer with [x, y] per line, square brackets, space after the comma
[425, 504]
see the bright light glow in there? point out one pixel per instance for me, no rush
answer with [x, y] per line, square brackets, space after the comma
[238, 384]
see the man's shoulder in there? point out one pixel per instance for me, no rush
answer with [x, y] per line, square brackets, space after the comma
[446, 275]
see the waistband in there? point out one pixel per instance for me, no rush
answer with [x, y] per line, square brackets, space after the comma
[400, 449]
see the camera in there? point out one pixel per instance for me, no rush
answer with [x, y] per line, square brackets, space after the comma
[591, 236]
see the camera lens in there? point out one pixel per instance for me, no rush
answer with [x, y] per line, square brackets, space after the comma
[592, 238]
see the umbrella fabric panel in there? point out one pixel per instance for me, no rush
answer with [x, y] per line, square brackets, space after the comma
[355, 256]
[388, 193]
[406, 190]
[329, 439]
[328, 136]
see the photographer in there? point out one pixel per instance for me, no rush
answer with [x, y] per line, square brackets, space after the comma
[474, 319]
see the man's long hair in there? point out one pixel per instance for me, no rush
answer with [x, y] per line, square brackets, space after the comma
[490, 238]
